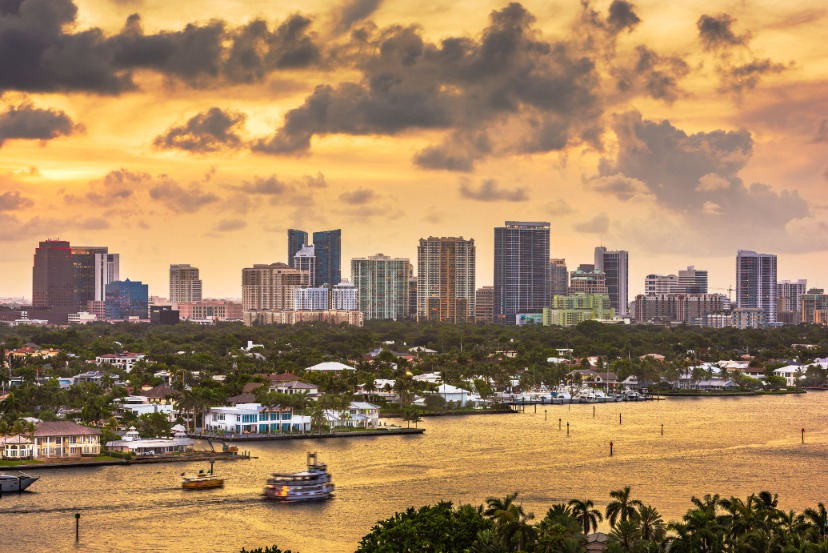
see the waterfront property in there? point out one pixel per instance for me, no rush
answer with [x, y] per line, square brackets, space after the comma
[125, 360]
[133, 443]
[358, 415]
[14, 448]
[255, 418]
[65, 439]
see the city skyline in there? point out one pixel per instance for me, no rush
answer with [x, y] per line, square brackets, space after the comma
[678, 133]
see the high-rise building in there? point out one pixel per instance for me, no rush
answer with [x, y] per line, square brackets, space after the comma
[382, 286]
[297, 239]
[271, 287]
[521, 269]
[484, 305]
[107, 269]
[305, 260]
[84, 273]
[586, 279]
[344, 297]
[185, 286]
[616, 265]
[445, 279]
[692, 281]
[558, 277]
[125, 299]
[789, 295]
[311, 299]
[660, 284]
[412, 295]
[756, 283]
[569, 310]
[814, 307]
[328, 247]
[53, 277]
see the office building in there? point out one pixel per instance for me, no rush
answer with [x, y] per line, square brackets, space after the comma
[692, 281]
[615, 265]
[382, 286]
[297, 239]
[586, 279]
[756, 283]
[484, 305]
[328, 247]
[185, 286]
[127, 299]
[445, 279]
[107, 269]
[53, 277]
[271, 287]
[521, 269]
[558, 277]
[344, 297]
[814, 307]
[305, 260]
[84, 273]
[660, 284]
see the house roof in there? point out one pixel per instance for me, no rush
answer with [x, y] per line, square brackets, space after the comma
[244, 397]
[161, 391]
[18, 439]
[250, 386]
[64, 428]
[331, 366]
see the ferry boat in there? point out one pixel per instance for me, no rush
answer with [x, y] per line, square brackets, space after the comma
[202, 480]
[10, 483]
[310, 485]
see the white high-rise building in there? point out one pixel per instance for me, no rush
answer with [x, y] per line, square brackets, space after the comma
[185, 286]
[789, 294]
[107, 270]
[382, 286]
[660, 284]
[345, 297]
[305, 260]
[756, 283]
[311, 299]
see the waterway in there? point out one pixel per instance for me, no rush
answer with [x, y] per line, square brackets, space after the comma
[730, 446]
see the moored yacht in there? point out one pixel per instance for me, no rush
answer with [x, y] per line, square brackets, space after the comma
[16, 483]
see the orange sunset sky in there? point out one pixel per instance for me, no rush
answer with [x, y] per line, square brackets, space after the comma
[200, 131]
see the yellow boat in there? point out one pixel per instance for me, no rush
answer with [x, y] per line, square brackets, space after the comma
[202, 480]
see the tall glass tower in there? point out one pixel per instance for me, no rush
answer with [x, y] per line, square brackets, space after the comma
[327, 245]
[756, 282]
[616, 265]
[521, 270]
[296, 240]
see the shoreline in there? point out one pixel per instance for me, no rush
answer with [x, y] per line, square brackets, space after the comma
[279, 437]
[124, 462]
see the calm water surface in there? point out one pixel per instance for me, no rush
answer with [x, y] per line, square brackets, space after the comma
[730, 446]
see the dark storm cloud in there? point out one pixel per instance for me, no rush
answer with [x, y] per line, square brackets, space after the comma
[12, 201]
[463, 84]
[696, 174]
[716, 32]
[39, 53]
[622, 16]
[29, 123]
[490, 191]
[352, 12]
[210, 131]
[651, 74]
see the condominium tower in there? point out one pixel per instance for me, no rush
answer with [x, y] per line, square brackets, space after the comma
[445, 280]
[382, 286]
[521, 269]
[53, 277]
[756, 283]
[328, 247]
[616, 265]
[305, 260]
[271, 287]
[185, 286]
[296, 240]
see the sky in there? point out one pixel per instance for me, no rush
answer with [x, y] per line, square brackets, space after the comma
[199, 131]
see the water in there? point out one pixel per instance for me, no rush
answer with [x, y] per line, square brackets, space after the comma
[730, 446]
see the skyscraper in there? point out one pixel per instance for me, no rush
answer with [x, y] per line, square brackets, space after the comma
[328, 247]
[558, 277]
[756, 283]
[382, 286]
[185, 286]
[53, 277]
[789, 296]
[445, 279]
[125, 299]
[271, 287]
[692, 281]
[660, 284]
[107, 269]
[296, 240]
[616, 265]
[521, 270]
[305, 260]
[84, 273]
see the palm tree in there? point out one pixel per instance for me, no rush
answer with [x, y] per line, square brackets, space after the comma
[622, 508]
[818, 519]
[512, 528]
[626, 534]
[495, 504]
[650, 523]
[585, 513]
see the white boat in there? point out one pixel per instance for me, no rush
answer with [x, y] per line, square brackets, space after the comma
[310, 485]
[10, 483]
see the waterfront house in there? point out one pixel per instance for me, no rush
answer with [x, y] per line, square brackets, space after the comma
[791, 374]
[124, 360]
[133, 443]
[452, 394]
[139, 405]
[65, 439]
[358, 415]
[161, 394]
[255, 418]
[716, 385]
[13, 448]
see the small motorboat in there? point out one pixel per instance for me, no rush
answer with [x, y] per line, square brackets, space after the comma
[10, 483]
[202, 480]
